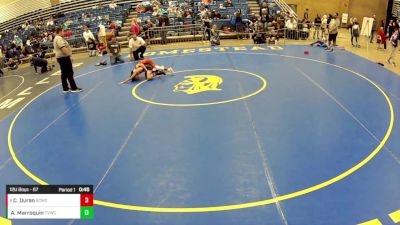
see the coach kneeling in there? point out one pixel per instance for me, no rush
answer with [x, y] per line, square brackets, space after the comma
[137, 47]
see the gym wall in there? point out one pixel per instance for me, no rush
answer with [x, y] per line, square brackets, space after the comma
[355, 8]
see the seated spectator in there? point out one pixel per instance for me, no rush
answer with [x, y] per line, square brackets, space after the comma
[113, 5]
[40, 62]
[272, 37]
[10, 52]
[228, 3]
[179, 16]
[68, 23]
[11, 64]
[188, 13]
[140, 8]
[87, 18]
[171, 10]
[18, 41]
[27, 50]
[206, 2]
[221, 6]
[114, 51]
[274, 24]
[137, 47]
[217, 15]
[50, 22]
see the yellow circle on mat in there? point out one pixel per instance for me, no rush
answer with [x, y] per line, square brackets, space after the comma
[136, 95]
[233, 206]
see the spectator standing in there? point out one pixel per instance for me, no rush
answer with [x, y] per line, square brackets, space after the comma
[394, 40]
[333, 32]
[317, 26]
[87, 34]
[147, 29]
[374, 28]
[291, 25]
[1, 57]
[390, 28]
[207, 24]
[163, 32]
[113, 27]
[355, 33]
[137, 47]
[324, 26]
[102, 34]
[306, 14]
[253, 20]
[63, 54]
[264, 15]
[135, 27]
[381, 38]
[179, 16]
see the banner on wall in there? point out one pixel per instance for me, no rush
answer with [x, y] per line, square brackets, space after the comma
[345, 18]
[366, 27]
[396, 8]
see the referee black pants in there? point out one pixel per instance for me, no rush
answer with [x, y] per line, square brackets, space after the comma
[67, 73]
[139, 52]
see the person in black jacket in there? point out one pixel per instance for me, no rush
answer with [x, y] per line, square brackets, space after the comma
[40, 62]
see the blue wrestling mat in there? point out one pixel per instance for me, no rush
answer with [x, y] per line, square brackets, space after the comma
[247, 135]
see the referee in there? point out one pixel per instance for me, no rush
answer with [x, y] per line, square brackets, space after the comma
[63, 54]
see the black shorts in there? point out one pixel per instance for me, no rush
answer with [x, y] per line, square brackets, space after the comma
[332, 37]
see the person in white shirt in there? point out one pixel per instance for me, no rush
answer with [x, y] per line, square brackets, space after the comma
[324, 26]
[113, 5]
[137, 47]
[63, 53]
[333, 33]
[87, 34]
[291, 25]
[50, 22]
[89, 39]
[102, 34]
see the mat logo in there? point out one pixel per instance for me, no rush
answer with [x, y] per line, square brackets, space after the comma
[194, 84]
